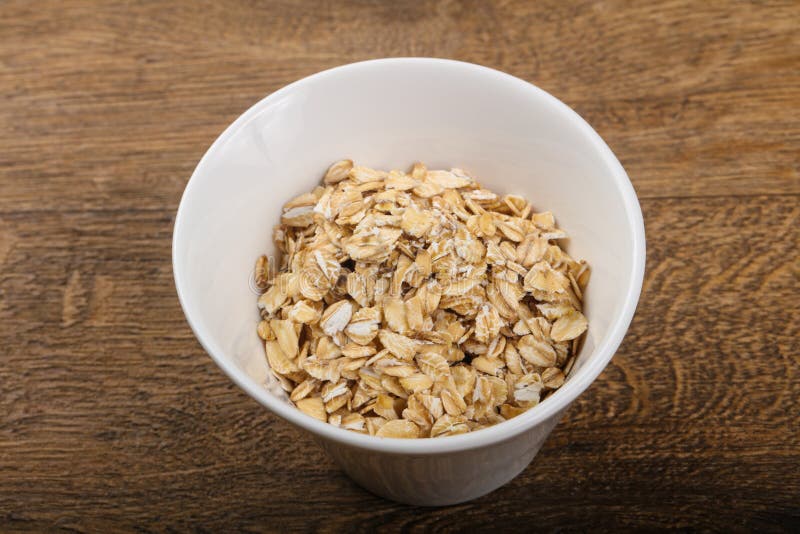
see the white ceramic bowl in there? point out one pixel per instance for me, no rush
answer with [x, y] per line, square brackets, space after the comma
[388, 113]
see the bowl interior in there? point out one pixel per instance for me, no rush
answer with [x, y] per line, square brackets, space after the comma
[387, 114]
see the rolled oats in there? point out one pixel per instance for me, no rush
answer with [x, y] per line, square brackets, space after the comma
[418, 304]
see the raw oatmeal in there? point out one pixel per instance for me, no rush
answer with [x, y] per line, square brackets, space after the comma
[418, 304]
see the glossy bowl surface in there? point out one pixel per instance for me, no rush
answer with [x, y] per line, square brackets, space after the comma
[388, 113]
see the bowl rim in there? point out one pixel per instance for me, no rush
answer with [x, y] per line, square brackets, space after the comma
[501, 432]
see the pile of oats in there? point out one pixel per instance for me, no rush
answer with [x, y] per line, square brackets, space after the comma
[414, 305]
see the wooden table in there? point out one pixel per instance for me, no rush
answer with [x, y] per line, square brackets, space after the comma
[113, 418]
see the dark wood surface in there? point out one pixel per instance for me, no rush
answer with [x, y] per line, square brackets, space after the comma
[113, 418]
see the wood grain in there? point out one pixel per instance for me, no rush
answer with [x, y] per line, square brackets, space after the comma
[113, 419]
